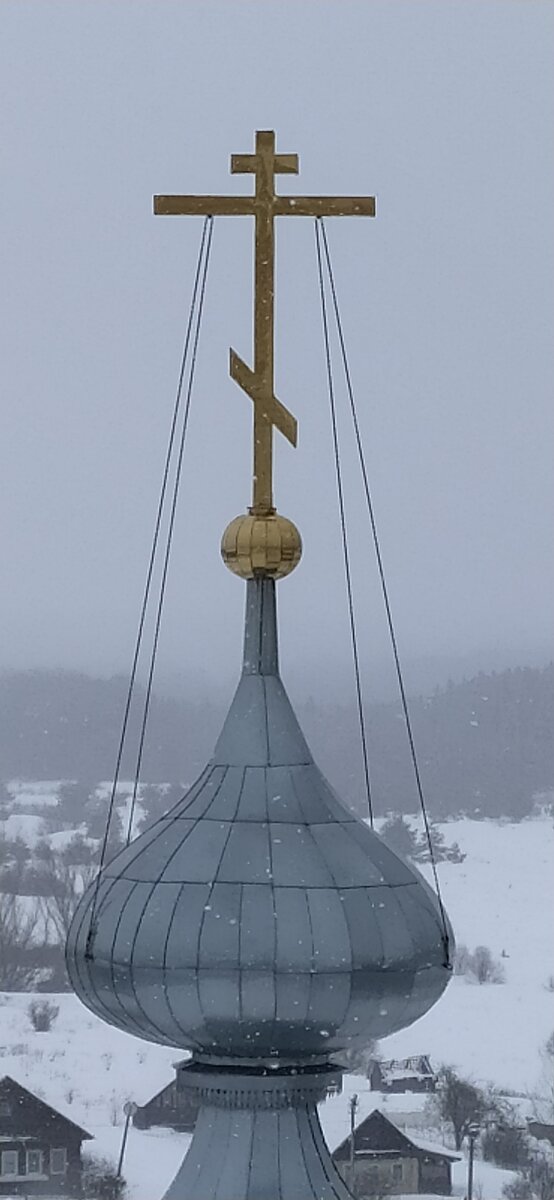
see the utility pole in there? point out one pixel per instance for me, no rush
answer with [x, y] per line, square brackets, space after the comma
[353, 1105]
[472, 1133]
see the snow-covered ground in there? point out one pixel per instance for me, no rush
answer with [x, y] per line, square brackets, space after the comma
[35, 793]
[501, 896]
[29, 826]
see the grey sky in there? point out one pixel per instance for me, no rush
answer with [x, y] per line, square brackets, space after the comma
[444, 111]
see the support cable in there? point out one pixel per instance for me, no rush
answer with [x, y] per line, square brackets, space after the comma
[149, 574]
[169, 540]
[344, 533]
[384, 589]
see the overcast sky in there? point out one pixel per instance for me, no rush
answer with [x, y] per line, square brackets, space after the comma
[444, 112]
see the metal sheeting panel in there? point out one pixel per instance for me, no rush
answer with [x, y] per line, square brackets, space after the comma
[197, 858]
[205, 787]
[252, 805]
[122, 863]
[219, 998]
[246, 857]
[329, 930]
[393, 868]
[422, 921]
[287, 744]
[243, 739]
[157, 914]
[110, 908]
[184, 929]
[365, 937]
[400, 944]
[127, 929]
[258, 927]
[258, 1000]
[282, 800]
[346, 860]
[295, 944]
[296, 859]
[315, 797]
[293, 993]
[224, 804]
[150, 858]
[202, 802]
[329, 1000]
[219, 934]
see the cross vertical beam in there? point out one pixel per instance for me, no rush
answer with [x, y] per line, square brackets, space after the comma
[264, 164]
[264, 297]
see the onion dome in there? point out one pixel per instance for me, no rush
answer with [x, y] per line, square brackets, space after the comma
[259, 917]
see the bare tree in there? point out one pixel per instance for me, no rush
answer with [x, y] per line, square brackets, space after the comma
[486, 968]
[459, 1102]
[535, 1182]
[64, 883]
[101, 1180]
[42, 1014]
[13, 851]
[505, 1143]
[19, 930]
[462, 960]
[479, 963]
[542, 1100]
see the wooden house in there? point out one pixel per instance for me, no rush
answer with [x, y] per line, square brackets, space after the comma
[413, 1074]
[542, 1131]
[171, 1106]
[40, 1150]
[388, 1162]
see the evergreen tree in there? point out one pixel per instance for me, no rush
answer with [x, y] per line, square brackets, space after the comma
[400, 837]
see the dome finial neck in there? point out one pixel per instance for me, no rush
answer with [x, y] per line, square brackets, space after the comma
[261, 651]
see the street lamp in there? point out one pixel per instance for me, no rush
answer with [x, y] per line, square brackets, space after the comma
[129, 1108]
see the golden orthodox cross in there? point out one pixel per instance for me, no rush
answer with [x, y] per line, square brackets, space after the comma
[264, 205]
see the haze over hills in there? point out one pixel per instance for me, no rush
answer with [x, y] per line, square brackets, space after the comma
[484, 745]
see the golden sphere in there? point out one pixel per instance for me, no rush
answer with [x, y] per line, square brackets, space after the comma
[261, 544]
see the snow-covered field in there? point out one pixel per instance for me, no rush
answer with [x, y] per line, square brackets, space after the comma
[502, 896]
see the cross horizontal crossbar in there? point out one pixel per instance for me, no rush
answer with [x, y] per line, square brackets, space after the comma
[247, 164]
[283, 206]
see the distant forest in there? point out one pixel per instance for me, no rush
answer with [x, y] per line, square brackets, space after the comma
[485, 745]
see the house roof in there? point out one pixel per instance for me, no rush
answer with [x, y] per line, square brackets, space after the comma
[10, 1088]
[377, 1135]
[417, 1065]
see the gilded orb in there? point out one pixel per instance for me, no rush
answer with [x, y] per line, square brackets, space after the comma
[265, 544]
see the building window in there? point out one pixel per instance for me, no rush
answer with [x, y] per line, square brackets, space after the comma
[397, 1172]
[9, 1162]
[34, 1162]
[5, 1108]
[58, 1162]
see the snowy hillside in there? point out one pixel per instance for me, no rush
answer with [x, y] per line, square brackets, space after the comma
[502, 896]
